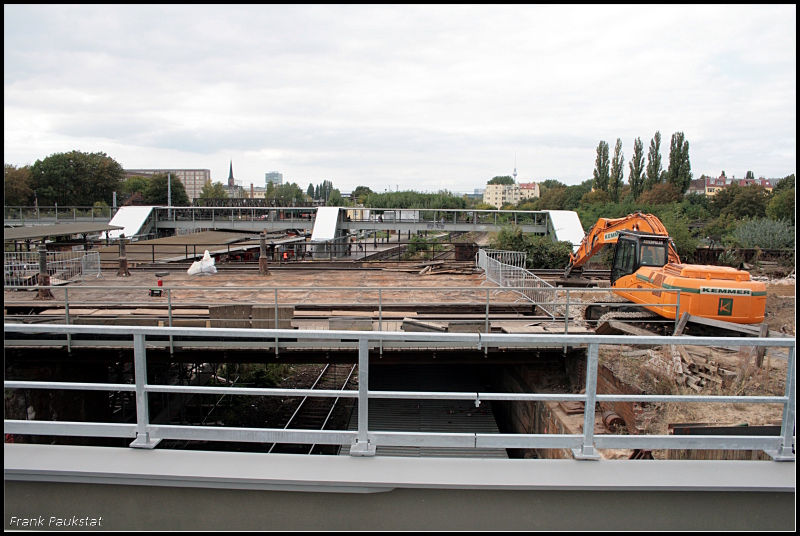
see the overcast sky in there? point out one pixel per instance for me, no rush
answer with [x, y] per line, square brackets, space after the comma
[425, 98]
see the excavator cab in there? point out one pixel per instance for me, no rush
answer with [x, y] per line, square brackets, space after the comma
[635, 250]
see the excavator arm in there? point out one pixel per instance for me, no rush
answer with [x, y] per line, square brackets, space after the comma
[606, 231]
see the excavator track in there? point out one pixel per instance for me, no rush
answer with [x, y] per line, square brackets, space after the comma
[619, 315]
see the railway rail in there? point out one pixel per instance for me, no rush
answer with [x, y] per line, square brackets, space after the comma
[315, 413]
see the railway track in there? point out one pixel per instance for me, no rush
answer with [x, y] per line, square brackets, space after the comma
[317, 413]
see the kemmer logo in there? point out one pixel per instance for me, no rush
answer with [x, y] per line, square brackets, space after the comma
[725, 307]
[730, 291]
[609, 236]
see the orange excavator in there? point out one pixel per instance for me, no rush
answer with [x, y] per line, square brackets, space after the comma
[645, 258]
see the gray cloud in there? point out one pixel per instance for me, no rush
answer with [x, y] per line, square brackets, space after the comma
[428, 97]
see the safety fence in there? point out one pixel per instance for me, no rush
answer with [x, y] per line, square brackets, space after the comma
[21, 268]
[364, 441]
[507, 269]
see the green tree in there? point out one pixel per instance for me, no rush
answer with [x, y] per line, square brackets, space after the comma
[156, 192]
[617, 171]
[781, 206]
[653, 162]
[335, 198]
[551, 184]
[310, 191]
[679, 173]
[286, 195]
[316, 192]
[361, 193]
[601, 173]
[504, 179]
[750, 175]
[740, 202]
[786, 183]
[214, 190]
[636, 167]
[677, 226]
[134, 184]
[554, 199]
[76, 178]
[411, 199]
[16, 185]
[596, 197]
[660, 194]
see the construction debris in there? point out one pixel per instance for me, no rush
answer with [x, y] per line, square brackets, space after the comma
[439, 268]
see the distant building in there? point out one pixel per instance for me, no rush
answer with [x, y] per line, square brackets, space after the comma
[193, 180]
[498, 195]
[273, 177]
[697, 186]
[257, 192]
[528, 190]
[713, 186]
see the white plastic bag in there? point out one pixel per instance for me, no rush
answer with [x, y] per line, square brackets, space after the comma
[207, 265]
[203, 267]
[194, 269]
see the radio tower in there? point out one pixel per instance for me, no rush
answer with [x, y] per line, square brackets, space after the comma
[515, 167]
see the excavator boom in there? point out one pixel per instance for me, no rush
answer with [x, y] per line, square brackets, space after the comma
[606, 231]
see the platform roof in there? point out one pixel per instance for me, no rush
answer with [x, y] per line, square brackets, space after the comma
[131, 220]
[56, 229]
[325, 224]
[567, 227]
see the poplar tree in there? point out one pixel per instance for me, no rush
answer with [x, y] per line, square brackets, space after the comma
[601, 174]
[679, 173]
[617, 172]
[636, 166]
[653, 163]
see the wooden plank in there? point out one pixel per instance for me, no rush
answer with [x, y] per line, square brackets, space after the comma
[466, 326]
[681, 324]
[741, 328]
[412, 325]
[763, 333]
[685, 355]
[350, 324]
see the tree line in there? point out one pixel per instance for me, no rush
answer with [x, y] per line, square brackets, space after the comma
[608, 176]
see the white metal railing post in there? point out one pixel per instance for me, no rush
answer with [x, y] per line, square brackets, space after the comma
[786, 450]
[363, 446]
[66, 314]
[276, 322]
[143, 440]
[169, 312]
[587, 451]
[677, 309]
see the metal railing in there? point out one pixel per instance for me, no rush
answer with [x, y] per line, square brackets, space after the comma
[364, 441]
[56, 213]
[507, 269]
[20, 268]
[381, 298]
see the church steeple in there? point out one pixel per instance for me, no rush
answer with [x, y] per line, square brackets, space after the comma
[230, 176]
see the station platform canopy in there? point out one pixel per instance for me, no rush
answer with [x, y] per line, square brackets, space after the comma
[325, 224]
[567, 227]
[11, 234]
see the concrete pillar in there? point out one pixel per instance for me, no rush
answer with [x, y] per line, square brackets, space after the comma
[263, 269]
[123, 259]
[44, 276]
